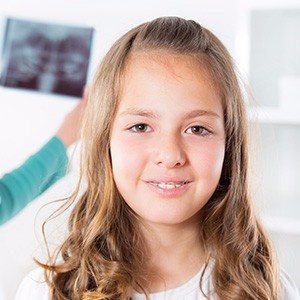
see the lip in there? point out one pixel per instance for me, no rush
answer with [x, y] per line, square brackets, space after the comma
[176, 191]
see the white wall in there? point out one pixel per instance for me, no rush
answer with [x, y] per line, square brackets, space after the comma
[28, 119]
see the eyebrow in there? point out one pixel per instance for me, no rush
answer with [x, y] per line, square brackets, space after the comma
[140, 112]
[153, 115]
[200, 113]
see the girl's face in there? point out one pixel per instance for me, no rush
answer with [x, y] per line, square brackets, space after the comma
[168, 138]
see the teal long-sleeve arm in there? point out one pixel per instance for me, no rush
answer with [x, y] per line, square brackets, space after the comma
[32, 178]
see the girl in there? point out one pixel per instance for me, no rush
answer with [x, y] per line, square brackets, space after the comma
[166, 213]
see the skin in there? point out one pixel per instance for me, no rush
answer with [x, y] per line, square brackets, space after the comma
[69, 130]
[167, 149]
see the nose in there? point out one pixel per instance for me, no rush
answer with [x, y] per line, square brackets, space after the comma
[169, 152]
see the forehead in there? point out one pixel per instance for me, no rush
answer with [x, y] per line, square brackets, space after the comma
[154, 79]
[169, 64]
[169, 60]
[174, 64]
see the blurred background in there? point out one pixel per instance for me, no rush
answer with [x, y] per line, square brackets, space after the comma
[263, 38]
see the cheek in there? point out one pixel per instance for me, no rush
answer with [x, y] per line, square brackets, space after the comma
[127, 157]
[210, 161]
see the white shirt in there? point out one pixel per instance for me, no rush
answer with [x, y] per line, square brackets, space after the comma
[34, 287]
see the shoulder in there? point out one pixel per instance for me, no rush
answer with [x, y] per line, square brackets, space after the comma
[289, 290]
[33, 287]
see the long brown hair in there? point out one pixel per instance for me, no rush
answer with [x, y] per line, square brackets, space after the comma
[104, 252]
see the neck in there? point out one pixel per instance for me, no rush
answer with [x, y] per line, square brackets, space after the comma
[176, 254]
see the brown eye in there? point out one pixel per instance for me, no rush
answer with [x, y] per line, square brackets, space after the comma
[198, 130]
[140, 128]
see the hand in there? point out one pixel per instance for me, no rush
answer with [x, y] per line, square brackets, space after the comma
[69, 130]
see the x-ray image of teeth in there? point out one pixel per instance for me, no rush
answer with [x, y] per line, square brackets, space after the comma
[45, 57]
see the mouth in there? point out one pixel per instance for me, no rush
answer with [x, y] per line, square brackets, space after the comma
[168, 185]
[168, 188]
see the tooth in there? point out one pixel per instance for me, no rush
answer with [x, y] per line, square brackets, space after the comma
[162, 185]
[168, 185]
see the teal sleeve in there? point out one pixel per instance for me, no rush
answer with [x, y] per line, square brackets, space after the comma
[32, 178]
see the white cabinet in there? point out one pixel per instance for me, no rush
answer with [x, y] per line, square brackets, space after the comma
[268, 51]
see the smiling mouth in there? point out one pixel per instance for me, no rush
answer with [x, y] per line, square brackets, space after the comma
[168, 185]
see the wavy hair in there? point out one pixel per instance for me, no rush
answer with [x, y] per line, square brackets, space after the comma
[103, 255]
